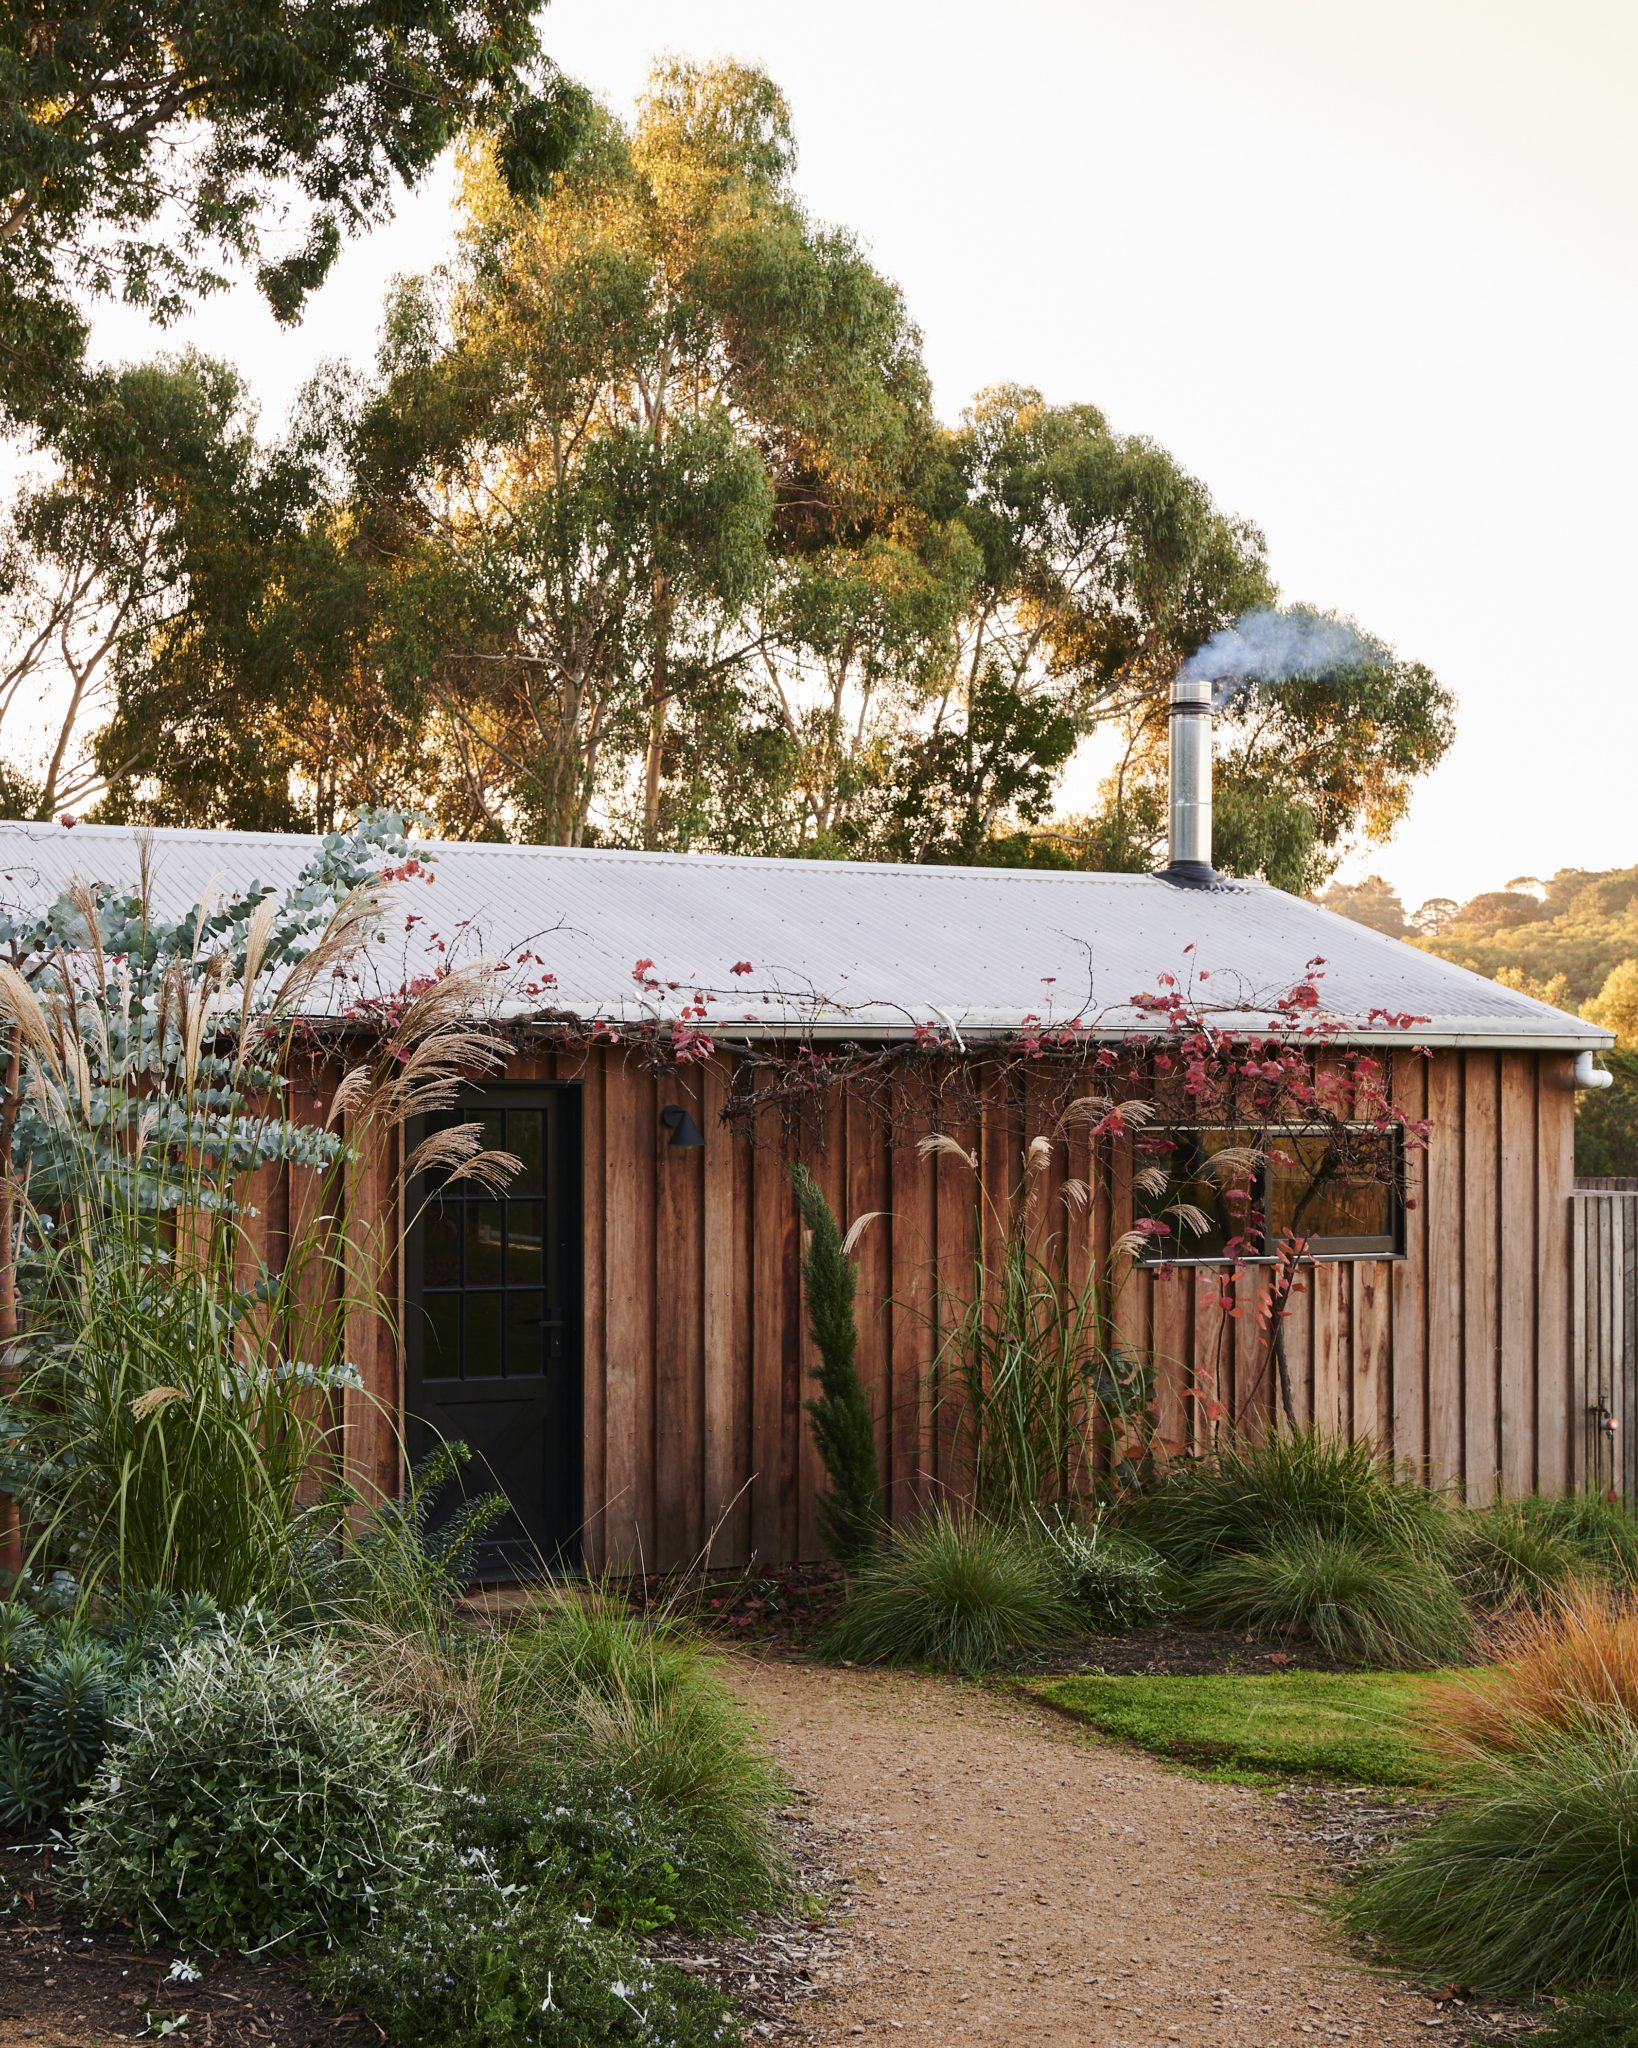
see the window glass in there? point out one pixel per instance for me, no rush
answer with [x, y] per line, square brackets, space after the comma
[443, 1336]
[1212, 1178]
[524, 1224]
[483, 1244]
[441, 1245]
[525, 1141]
[1336, 1185]
[1234, 1192]
[482, 1350]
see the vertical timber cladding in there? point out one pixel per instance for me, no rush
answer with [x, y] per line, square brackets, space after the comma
[1457, 1355]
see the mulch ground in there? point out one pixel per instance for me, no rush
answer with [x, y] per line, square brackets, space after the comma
[61, 1986]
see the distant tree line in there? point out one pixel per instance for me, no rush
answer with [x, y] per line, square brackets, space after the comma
[642, 530]
[1570, 940]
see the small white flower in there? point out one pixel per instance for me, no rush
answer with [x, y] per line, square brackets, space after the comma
[183, 1972]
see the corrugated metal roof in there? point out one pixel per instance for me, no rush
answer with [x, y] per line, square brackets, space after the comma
[843, 947]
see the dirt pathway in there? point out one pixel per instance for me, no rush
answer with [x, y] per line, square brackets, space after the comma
[1019, 1884]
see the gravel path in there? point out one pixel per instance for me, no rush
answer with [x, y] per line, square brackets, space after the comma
[1018, 1884]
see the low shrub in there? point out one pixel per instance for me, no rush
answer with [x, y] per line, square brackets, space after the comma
[1573, 1664]
[249, 1798]
[582, 1692]
[1529, 1881]
[481, 1949]
[1113, 1580]
[63, 1683]
[1252, 1494]
[1353, 1599]
[954, 1592]
[1505, 1557]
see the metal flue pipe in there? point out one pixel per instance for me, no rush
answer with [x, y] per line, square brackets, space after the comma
[1189, 862]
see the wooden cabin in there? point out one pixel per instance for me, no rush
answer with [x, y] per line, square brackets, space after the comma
[621, 1336]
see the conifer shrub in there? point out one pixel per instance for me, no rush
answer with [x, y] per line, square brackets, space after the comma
[852, 1512]
[955, 1592]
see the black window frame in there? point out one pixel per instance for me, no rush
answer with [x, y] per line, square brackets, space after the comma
[1336, 1250]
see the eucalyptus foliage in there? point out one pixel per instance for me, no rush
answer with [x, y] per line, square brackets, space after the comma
[141, 145]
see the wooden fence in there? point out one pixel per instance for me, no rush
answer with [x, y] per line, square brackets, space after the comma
[1604, 1306]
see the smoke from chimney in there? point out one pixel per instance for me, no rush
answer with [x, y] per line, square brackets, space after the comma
[1266, 647]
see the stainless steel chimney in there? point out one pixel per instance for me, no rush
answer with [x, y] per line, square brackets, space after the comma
[1189, 862]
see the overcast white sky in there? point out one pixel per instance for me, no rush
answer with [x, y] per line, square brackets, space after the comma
[1368, 269]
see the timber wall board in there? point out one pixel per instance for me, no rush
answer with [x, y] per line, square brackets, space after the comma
[695, 1342]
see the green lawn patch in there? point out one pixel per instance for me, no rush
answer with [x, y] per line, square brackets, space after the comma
[1348, 1726]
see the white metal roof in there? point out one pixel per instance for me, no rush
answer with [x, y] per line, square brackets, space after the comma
[836, 947]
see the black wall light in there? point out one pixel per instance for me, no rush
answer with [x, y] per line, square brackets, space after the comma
[684, 1131]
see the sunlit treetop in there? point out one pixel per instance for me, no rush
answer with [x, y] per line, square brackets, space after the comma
[149, 149]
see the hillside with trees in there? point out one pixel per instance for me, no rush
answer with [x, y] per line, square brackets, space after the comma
[1570, 940]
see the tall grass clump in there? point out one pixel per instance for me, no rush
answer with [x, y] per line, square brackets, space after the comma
[1354, 1600]
[172, 1401]
[1255, 1492]
[580, 1692]
[1601, 1533]
[955, 1592]
[1505, 1557]
[1529, 1881]
[1570, 1665]
[1042, 1402]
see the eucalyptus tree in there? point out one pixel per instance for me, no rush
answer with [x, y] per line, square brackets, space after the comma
[95, 559]
[150, 148]
[1100, 564]
[630, 399]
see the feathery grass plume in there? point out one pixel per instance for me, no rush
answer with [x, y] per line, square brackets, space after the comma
[955, 1592]
[1353, 1599]
[852, 1510]
[1529, 1880]
[169, 1413]
[1040, 1397]
[1572, 1664]
[1252, 1493]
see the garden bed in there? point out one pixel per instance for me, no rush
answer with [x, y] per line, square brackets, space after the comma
[60, 1982]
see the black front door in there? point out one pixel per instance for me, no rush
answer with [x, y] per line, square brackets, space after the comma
[492, 1323]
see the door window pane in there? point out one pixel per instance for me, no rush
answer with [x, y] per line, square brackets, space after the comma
[525, 1335]
[525, 1139]
[483, 1335]
[483, 1244]
[441, 1245]
[524, 1224]
[443, 1336]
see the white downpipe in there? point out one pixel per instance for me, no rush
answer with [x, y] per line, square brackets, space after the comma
[1589, 1076]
